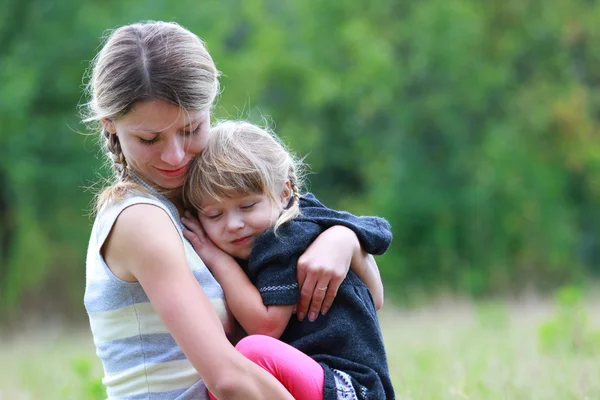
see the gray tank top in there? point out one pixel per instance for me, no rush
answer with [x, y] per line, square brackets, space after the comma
[140, 358]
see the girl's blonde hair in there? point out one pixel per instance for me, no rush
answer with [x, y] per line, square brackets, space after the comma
[241, 158]
[139, 62]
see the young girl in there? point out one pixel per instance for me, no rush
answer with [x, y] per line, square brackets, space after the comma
[245, 187]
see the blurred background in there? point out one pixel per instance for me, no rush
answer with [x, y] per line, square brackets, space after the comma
[472, 126]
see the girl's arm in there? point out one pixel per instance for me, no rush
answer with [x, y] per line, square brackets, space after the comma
[144, 244]
[365, 267]
[243, 298]
[321, 270]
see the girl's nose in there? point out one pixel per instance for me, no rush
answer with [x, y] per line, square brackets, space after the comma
[235, 222]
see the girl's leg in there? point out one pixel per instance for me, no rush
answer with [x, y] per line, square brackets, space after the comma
[302, 376]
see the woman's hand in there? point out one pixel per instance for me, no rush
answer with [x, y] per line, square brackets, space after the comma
[206, 249]
[322, 268]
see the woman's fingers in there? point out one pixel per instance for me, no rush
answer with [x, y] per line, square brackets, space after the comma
[318, 288]
[322, 268]
[307, 283]
[318, 295]
[332, 288]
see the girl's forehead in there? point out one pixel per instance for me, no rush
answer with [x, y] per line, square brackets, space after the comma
[230, 199]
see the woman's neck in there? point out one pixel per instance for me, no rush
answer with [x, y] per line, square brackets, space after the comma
[173, 195]
[178, 203]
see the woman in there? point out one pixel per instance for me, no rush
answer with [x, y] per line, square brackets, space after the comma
[158, 316]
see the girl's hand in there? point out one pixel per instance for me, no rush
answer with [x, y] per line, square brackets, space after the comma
[322, 268]
[206, 249]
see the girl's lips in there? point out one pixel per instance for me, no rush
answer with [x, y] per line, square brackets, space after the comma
[174, 172]
[241, 241]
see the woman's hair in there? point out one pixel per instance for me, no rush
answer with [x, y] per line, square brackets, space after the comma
[139, 62]
[241, 158]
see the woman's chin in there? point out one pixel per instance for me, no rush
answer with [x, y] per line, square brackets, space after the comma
[169, 183]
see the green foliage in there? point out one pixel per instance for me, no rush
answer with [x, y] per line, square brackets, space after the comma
[472, 126]
[569, 330]
[91, 387]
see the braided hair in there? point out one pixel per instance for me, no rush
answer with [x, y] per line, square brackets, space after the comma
[140, 62]
[113, 146]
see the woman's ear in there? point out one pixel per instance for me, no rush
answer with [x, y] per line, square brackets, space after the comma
[109, 125]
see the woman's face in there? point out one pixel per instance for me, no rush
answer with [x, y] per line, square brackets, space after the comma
[159, 140]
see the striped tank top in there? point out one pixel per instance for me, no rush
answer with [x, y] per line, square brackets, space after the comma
[140, 358]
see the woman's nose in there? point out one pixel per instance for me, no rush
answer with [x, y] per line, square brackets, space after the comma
[173, 153]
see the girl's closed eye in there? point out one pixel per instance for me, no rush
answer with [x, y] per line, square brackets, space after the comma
[247, 206]
[213, 216]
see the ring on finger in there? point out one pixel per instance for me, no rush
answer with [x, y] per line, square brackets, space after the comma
[324, 289]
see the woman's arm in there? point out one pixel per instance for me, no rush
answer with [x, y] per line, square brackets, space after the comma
[145, 244]
[321, 270]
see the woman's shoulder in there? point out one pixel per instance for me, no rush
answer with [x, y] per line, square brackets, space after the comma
[135, 214]
[142, 233]
[137, 201]
[142, 224]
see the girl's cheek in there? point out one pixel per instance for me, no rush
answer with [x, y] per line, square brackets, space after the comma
[212, 230]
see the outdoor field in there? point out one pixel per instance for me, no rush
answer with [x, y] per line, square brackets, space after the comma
[527, 349]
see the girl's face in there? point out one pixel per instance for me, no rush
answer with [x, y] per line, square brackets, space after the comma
[159, 140]
[234, 223]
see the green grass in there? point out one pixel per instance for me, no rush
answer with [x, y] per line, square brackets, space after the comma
[47, 362]
[452, 350]
[485, 351]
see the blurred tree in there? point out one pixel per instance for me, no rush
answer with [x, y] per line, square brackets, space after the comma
[472, 126]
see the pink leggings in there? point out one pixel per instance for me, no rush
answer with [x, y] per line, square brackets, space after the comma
[302, 376]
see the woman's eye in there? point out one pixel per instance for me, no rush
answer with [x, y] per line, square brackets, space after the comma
[148, 142]
[247, 206]
[194, 132]
[214, 216]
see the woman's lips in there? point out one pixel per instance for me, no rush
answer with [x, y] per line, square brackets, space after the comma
[174, 172]
[241, 241]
